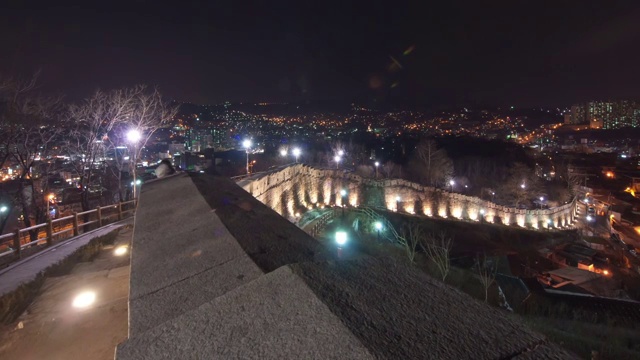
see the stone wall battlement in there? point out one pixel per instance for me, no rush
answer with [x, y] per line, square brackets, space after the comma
[299, 187]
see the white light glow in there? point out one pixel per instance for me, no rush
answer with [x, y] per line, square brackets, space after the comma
[120, 250]
[134, 136]
[341, 237]
[84, 299]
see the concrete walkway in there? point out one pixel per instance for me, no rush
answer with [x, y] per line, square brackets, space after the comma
[27, 270]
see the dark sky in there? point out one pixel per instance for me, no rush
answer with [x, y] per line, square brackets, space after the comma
[493, 52]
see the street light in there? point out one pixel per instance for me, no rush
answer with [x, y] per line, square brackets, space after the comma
[340, 153]
[134, 136]
[398, 203]
[3, 209]
[247, 145]
[296, 153]
[541, 200]
[341, 238]
[378, 226]
[337, 159]
[283, 152]
[377, 164]
[522, 185]
[343, 195]
[50, 197]
[451, 182]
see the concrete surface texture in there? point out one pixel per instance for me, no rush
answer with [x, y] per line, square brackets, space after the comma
[27, 270]
[216, 274]
[52, 329]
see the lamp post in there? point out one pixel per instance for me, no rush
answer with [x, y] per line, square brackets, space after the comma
[134, 136]
[341, 240]
[378, 226]
[451, 183]
[377, 164]
[398, 203]
[541, 200]
[296, 153]
[343, 195]
[493, 194]
[482, 214]
[247, 145]
[3, 217]
[337, 159]
[50, 197]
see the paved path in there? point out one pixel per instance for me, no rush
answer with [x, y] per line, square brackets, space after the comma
[28, 269]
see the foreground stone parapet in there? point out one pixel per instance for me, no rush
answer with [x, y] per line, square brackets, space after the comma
[216, 274]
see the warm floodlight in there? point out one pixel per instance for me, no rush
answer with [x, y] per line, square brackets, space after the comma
[84, 299]
[120, 250]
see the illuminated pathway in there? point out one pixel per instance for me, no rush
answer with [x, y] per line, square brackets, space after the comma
[53, 328]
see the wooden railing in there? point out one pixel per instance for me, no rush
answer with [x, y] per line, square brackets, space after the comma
[53, 231]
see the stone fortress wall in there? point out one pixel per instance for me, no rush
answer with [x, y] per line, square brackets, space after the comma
[293, 189]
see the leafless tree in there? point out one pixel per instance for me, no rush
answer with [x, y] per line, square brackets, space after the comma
[388, 169]
[521, 185]
[28, 130]
[430, 164]
[100, 123]
[438, 248]
[411, 236]
[486, 273]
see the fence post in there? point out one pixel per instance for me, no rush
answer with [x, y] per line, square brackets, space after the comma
[75, 224]
[16, 243]
[119, 211]
[49, 232]
[99, 212]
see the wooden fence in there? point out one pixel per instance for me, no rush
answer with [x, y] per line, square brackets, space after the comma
[53, 231]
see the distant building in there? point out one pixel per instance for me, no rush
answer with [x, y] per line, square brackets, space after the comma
[606, 114]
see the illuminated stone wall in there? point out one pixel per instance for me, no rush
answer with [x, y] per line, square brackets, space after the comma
[296, 188]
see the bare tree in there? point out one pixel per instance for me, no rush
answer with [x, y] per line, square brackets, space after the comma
[99, 124]
[521, 185]
[28, 130]
[431, 164]
[411, 235]
[438, 248]
[388, 169]
[486, 273]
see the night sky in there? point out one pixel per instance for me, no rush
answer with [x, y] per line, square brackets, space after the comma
[526, 53]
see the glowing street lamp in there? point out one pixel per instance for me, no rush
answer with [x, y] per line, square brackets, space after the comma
[340, 153]
[296, 153]
[451, 183]
[247, 145]
[377, 164]
[3, 209]
[343, 195]
[341, 238]
[523, 186]
[337, 159]
[50, 198]
[134, 136]
[283, 152]
[378, 226]
[398, 203]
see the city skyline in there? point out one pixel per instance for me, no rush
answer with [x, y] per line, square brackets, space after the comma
[400, 54]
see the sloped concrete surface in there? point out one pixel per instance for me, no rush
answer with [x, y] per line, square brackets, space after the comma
[182, 254]
[275, 317]
[201, 246]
